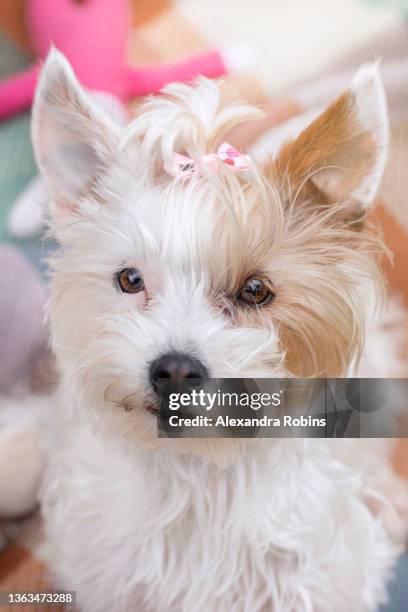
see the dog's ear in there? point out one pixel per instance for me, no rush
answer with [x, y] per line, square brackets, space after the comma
[340, 157]
[73, 139]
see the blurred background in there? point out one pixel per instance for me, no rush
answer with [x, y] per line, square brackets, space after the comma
[303, 51]
[295, 39]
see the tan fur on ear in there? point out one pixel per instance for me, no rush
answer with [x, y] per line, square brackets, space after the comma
[329, 143]
[339, 157]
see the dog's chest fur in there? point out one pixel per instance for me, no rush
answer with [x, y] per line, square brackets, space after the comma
[274, 531]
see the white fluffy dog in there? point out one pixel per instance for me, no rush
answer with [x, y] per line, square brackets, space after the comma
[193, 268]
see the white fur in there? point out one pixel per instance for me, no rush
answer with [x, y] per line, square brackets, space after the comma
[285, 528]
[373, 118]
[136, 522]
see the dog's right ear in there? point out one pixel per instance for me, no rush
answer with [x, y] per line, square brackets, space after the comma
[73, 139]
[340, 157]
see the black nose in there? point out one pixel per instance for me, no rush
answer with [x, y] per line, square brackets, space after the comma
[175, 368]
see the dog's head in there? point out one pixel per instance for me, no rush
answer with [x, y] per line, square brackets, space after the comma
[258, 273]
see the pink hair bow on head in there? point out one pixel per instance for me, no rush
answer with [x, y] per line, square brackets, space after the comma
[181, 165]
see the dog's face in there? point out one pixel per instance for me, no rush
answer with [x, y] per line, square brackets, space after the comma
[225, 274]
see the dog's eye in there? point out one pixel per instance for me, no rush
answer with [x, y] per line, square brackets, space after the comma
[129, 280]
[256, 292]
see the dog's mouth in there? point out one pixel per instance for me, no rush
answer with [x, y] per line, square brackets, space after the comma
[130, 403]
[152, 407]
[161, 410]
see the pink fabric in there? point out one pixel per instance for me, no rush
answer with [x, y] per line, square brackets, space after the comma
[17, 92]
[144, 80]
[185, 167]
[92, 34]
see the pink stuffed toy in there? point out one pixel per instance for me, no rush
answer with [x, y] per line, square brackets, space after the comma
[93, 36]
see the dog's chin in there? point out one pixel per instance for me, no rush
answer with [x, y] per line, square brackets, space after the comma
[216, 451]
[133, 421]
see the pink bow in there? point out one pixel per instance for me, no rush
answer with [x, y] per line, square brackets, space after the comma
[180, 165]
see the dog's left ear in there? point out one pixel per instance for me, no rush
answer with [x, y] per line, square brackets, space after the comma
[73, 139]
[341, 156]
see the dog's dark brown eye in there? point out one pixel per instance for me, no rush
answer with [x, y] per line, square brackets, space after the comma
[129, 280]
[256, 292]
